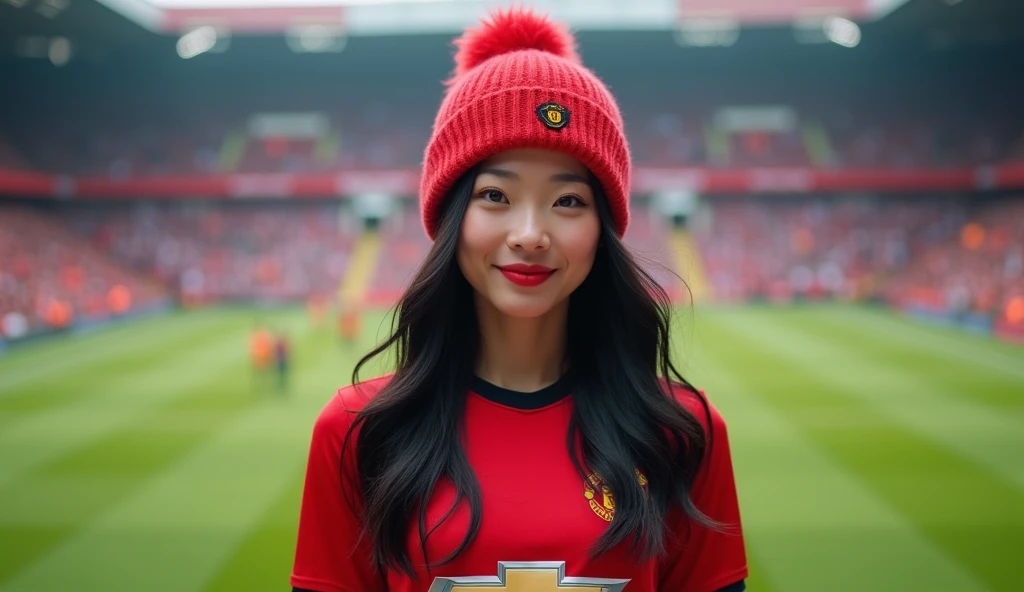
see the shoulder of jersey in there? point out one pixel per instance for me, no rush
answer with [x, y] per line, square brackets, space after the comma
[694, 402]
[355, 396]
[341, 409]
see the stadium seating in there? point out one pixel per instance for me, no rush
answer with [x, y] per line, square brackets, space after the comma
[930, 254]
[647, 236]
[404, 247]
[52, 279]
[224, 252]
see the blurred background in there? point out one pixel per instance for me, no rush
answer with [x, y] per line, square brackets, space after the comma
[207, 207]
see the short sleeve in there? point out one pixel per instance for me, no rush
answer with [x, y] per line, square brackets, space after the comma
[701, 559]
[330, 557]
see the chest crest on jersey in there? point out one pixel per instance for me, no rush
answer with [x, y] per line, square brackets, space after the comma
[600, 496]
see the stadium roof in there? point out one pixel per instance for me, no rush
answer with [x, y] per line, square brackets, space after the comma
[26, 28]
[941, 24]
[424, 16]
[98, 27]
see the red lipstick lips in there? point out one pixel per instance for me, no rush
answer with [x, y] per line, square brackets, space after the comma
[526, 275]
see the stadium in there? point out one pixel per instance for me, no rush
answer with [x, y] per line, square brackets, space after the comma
[831, 191]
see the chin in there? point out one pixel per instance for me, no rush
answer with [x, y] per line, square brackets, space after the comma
[522, 306]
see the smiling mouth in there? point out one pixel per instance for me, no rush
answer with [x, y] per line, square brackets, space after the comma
[526, 275]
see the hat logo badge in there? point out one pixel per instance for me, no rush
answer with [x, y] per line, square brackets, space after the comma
[553, 115]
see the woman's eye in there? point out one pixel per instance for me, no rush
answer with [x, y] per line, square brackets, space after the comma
[493, 196]
[569, 201]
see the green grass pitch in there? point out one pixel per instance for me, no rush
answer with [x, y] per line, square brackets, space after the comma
[872, 453]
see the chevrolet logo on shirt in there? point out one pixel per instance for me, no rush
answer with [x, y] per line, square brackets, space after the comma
[536, 576]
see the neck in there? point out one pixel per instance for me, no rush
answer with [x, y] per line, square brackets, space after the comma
[519, 354]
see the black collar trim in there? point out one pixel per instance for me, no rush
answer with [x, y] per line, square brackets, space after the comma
[520, 400]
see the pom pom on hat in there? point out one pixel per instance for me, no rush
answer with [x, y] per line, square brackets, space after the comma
[512, 30]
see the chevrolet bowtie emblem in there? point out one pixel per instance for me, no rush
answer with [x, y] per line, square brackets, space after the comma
[536, 576]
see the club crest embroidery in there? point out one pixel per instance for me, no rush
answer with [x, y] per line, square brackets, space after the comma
[553, 115]
[600, 496]
[531, 576]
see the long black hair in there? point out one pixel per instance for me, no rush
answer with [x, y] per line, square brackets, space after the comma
[624, 419]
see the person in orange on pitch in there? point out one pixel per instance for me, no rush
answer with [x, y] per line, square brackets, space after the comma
[348, 324]
[261, 352]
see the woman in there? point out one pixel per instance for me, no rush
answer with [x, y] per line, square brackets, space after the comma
[529, 438]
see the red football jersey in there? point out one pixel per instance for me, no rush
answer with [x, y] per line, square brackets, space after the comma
[539, 517]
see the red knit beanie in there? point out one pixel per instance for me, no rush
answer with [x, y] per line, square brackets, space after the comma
[519, 83]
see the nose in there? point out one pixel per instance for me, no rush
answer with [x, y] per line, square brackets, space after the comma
[527, 231]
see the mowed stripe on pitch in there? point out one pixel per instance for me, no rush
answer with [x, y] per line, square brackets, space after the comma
[75, 386]
[810, 520]
[908, 391]
[107, 405]
[887, 338]
[72, 474]
[54, 358]
[972, 514]
[176, 529]
[262, 561]
[948, 343]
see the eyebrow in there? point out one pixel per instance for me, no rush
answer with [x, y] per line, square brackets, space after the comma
[556, 178]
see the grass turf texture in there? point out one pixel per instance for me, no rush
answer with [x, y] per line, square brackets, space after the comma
[872, 452]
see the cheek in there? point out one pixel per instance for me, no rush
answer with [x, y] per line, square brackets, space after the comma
[580, 246]
[477, 242]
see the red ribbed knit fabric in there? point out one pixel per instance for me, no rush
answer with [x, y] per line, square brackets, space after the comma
[515, 63]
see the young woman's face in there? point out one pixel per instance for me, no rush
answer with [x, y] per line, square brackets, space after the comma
[530, 231]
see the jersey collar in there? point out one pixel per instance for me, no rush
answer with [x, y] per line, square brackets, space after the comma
[520, 400]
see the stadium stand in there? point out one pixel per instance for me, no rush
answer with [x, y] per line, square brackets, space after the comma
[404, 245]
[51, 278]
[217, 252]
[933, 255]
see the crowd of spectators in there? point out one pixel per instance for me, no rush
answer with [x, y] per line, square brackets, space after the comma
[211, 252]
[49, 278]
[930, 253]
[947, 255]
